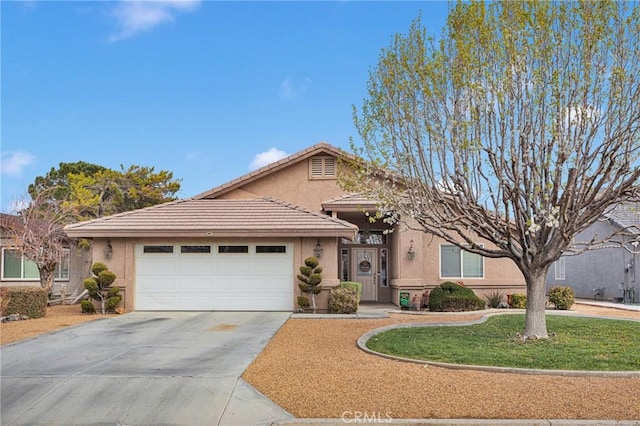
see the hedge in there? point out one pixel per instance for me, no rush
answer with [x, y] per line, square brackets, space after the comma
[24, 300]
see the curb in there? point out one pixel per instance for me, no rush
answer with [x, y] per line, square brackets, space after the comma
[362, 344]
[454, 422]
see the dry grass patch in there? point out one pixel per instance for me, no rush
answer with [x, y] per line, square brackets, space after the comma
[57, 317]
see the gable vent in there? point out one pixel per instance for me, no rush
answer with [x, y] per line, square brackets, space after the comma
[322, 168]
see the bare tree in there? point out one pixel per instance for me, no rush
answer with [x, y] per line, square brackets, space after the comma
[518, 126]
[37, 232]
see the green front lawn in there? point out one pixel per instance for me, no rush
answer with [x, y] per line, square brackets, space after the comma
[579, 344]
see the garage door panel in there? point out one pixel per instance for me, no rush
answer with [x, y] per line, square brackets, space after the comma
[157, 302]
[214, 281]
[205, 284]
[156, 284]
[157, 267]
[264, 303]
[195, 267]
[270, 266]
[196, 303]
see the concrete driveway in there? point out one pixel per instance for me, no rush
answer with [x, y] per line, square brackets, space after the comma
[143, 368]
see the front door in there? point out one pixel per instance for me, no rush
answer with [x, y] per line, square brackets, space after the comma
[365, 271]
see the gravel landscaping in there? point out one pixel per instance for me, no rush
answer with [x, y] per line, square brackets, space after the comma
[57, 317]
[313, 369]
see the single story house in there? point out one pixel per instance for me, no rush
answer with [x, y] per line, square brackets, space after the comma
[239, 246]
[16, 270]
[607, 273]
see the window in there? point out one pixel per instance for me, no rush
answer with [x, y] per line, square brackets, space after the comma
[195, 249]
[383, 268]
[457, 263]
[344, 264]
[271, 249]
[559, 269]
[233, 249]
[368, 237]
[158, 249]
[322, 168]
[17, 267]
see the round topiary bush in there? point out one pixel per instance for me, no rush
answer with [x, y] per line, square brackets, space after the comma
[452, 297]
[87, 307]
[562, 297]
[343, 300]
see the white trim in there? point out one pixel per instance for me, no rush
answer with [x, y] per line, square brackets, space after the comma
[560, 270]
[57, 278]
[461, 264]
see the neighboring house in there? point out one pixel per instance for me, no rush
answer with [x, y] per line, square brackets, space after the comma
[239, 246]
[607, 273]
[16, 270]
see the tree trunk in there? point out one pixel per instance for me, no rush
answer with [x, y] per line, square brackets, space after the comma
[46, 278]
[535, 316]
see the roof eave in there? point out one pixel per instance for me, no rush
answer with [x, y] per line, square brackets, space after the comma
[179, 233]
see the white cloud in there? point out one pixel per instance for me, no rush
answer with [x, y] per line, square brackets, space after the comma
[264, 158]
[13, 162]
[290, 89]
[136, 16]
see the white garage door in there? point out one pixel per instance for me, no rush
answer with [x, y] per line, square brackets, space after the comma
[216, 277]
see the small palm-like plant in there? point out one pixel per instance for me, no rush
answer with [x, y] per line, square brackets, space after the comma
[310, 278]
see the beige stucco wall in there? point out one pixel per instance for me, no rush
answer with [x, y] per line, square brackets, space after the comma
[291, 184]
[423, 273]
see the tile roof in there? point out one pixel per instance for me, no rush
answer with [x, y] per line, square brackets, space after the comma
[259, 217]
[626, 215]
[320, 148]
[350, 203]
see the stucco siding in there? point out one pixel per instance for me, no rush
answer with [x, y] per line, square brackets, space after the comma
[291, 184]
[605, 268]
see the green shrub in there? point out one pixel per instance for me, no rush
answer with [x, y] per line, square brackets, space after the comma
[113, 291]
[343, 300]
[98, 267]
[452, 297]
[99, 288]
[353, 285]
[303, 302]
[562, 297]
[310, 278]
[112, 302]
[91, 285]
[106, 278]
[494, 299]
[87, 307]
[518, 301]
[24, 300]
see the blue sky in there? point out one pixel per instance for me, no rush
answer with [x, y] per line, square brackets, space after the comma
[208, 90]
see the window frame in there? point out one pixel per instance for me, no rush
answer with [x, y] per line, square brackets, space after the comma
[58, 274]
[560, 269]
[461, 275]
